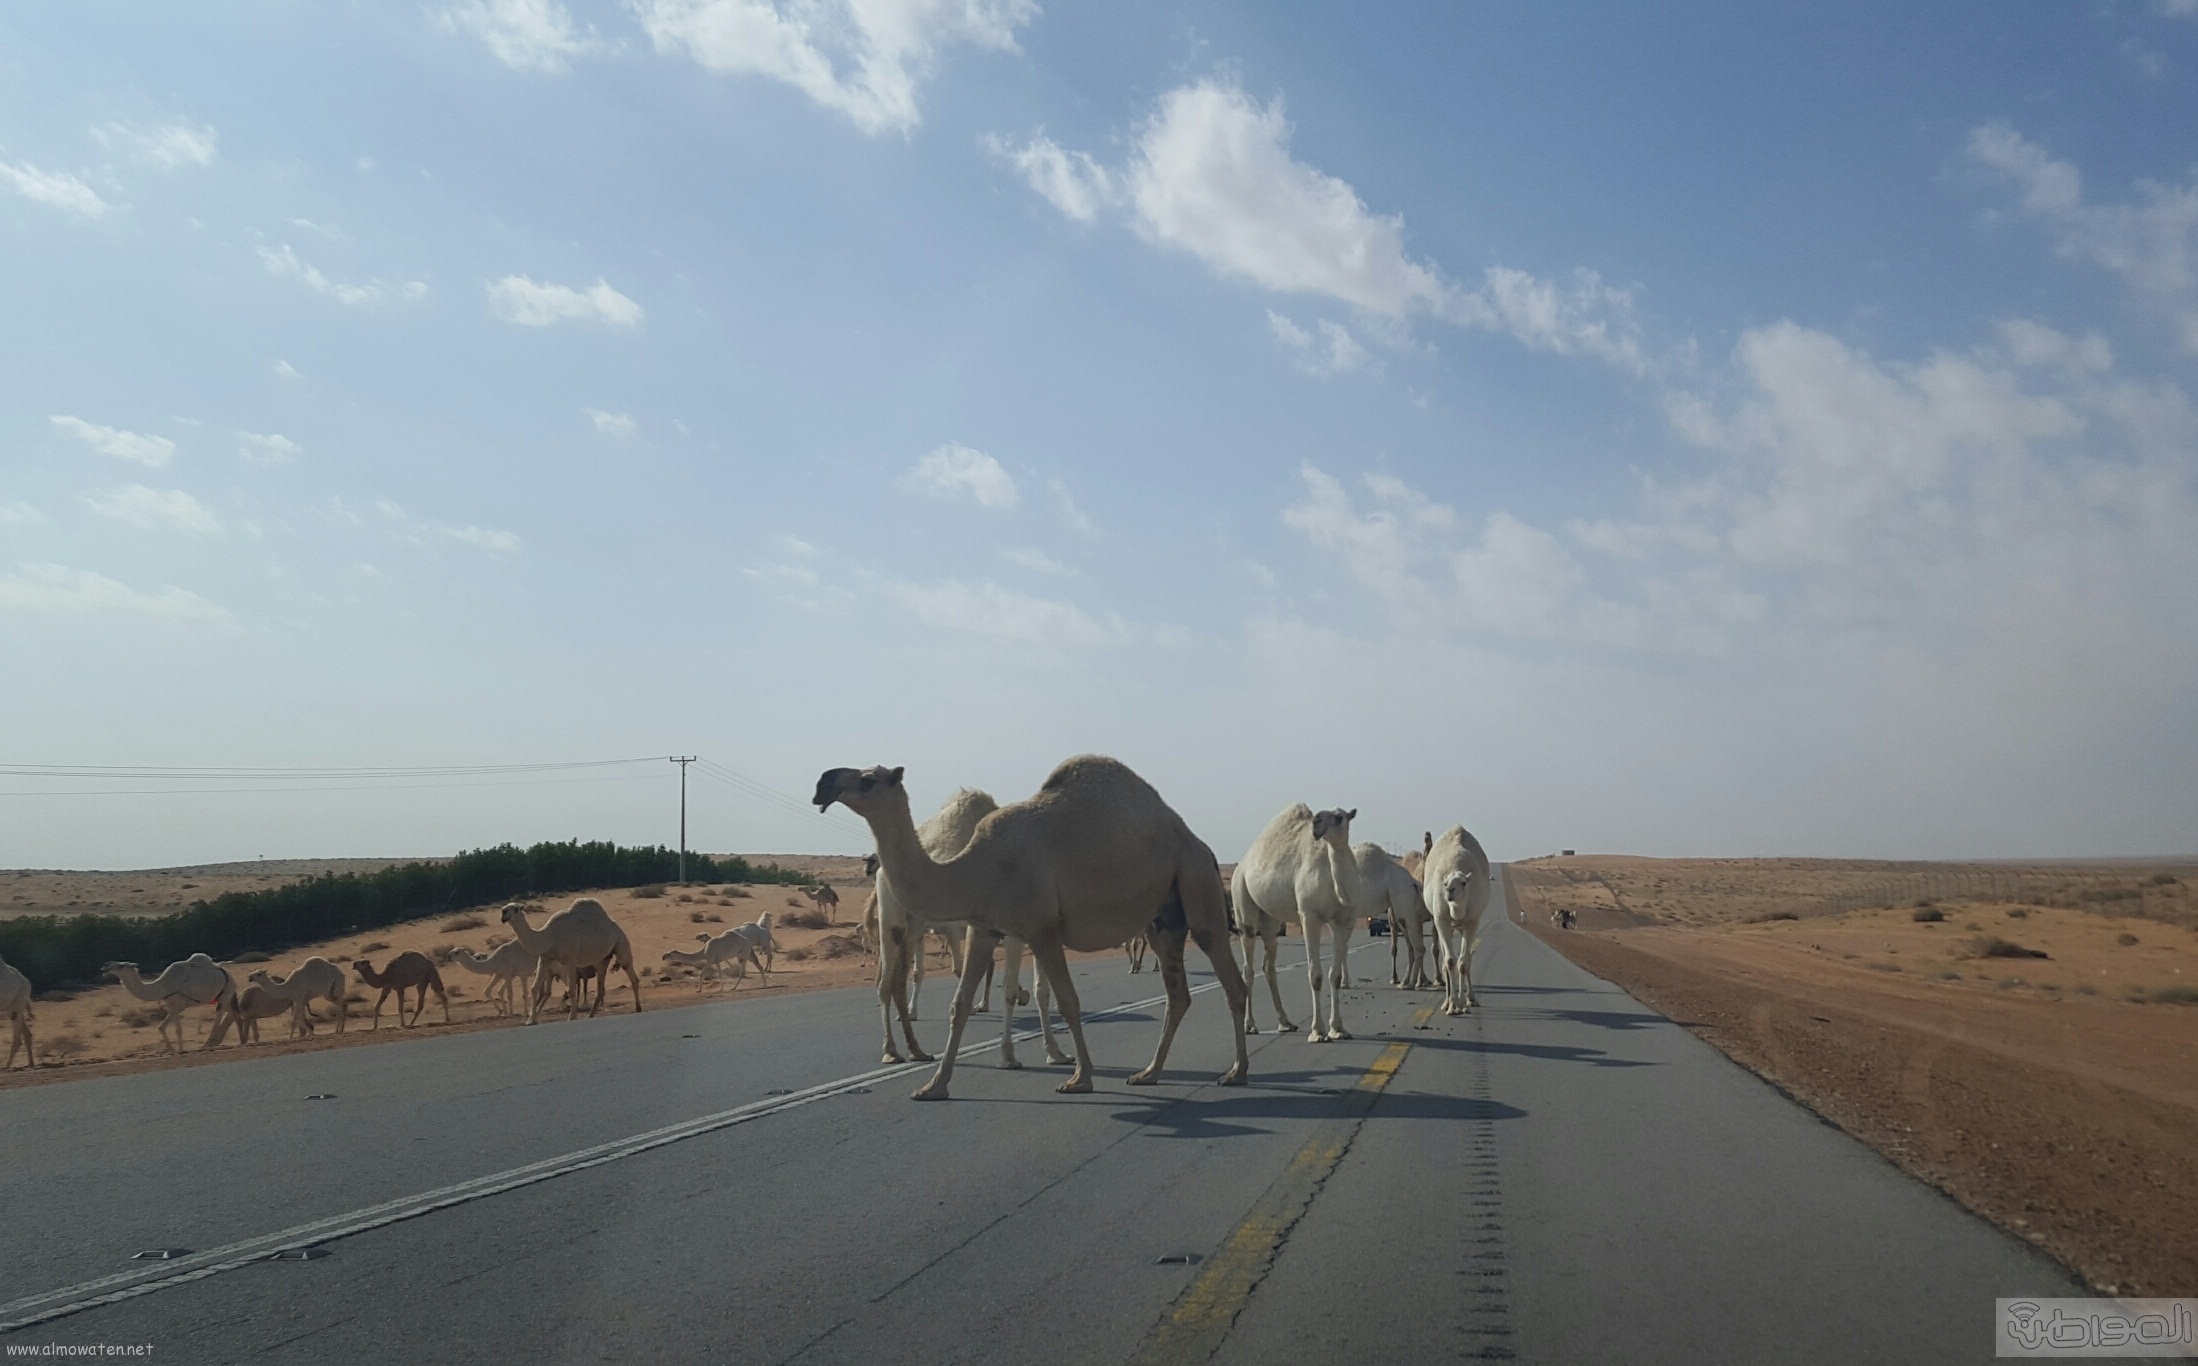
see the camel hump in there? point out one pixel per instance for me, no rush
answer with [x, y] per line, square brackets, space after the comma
[1092, 771]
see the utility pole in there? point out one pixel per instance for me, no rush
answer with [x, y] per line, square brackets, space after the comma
[682, 760]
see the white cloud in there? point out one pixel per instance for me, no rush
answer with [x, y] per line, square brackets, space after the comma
[1029, 557]
[285, 370]
[526, 35]
[150, 451]
[518, 299]
[284, 263]
[987, 609]
[1070, 181]
[55, 189]
[2151, 243]
[1212, 175]
[865, 59]
[794, 545]
[168, 147]
[481, 537]
[2180, 9]
[267, 449]
[954, 469]
[57, 588]
[327, 230]
[1334, 352]
[610, 424]
[19, 513]
[154, 509]
[1587, 318]
[1070, 511]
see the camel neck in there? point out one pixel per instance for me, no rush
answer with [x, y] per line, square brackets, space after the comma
[919, 882]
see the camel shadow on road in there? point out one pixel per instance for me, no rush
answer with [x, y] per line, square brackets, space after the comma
[1237, 1114]
[1593, 1057]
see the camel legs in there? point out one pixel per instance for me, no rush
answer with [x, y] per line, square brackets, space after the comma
[957, 1020]
[625, 965]
[1313, 932]
[969, 946]
[19, 1036]
[1339, 977]
[894, 951]
[1013, 952]
[1053, 962]
[1167, 952]
[1283, 1023]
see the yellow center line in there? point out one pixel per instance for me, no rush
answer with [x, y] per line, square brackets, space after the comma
[1195, 1325]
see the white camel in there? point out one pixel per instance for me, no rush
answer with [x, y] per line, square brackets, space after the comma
[1456, 891]
[732, 949]
[316, 979]
[194, 981]
[1300, 870]
[1088, 861]
[15, 1003]
[503, 966]
[1391, 891]
[708, 970]
[1256, 927]
[256, 1003]
[758, 934]
[580, 936]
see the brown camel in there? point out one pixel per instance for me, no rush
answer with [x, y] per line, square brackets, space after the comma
[407, 971]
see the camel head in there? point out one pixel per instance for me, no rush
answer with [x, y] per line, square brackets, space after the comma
[861, 790]
[259, 977]
[869, 865]
[514, 912]
[1427, 843]
[115, 970]
[1335, 827]
[1457, 887]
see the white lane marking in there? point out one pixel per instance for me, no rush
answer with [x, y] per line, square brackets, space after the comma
[126, 1285]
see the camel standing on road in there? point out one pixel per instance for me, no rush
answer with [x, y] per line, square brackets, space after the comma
[1392, 892]
[408, 971]
[195, 981]
[580, 936]
[315, 979]
[1256, 927]
[1088, 861]
[15, 1003]
[901, 935]
[1456, 890]
[1300, 870]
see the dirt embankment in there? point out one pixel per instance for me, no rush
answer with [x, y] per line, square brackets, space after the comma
[2055, 1094]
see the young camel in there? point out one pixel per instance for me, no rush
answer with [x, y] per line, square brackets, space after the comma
[256, 1003]
[700, 958]
[1456, 892]
[195, 981]
[758, 934]
[408, 971]
[1135, 948]
[315, 979]
[503, 966]
[1300, 870]
[732, 947]
[15, 1003]
[581, 935]
[1093, 857]
[1391, 891]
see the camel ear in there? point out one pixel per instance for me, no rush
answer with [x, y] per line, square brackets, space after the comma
[1351, 815]
[895, 776]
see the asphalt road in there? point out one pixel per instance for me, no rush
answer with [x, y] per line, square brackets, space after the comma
[1564, 1176]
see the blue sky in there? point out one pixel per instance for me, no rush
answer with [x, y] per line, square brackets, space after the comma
[1716, 429]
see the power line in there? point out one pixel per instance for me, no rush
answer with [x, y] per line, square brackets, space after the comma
[263, 791]
[156, 771]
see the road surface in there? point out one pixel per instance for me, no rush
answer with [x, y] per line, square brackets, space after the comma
[1563, 1176]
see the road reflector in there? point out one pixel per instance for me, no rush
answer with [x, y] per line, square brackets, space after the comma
[160, 1254]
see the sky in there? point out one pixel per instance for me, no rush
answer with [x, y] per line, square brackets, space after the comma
[1700, 429]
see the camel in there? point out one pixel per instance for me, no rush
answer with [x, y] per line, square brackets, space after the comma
[734, 947]
[1300, 870]
[826, 899]
[315, 979]
[1088, 861]
[15, 1003]
[1135, 948]
[408, 971]
[900, 935]
[758, 934]
[700, 958]
[1456, 892]
[255, 1003]
[503, 966]
[1392, 892]
[195, 981]
[581, 935]
[1255, 927]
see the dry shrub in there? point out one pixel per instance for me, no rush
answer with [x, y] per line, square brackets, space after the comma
[650, 892]
[141, 1017]
[54, 994]
[462, 923]
[253, 956]
[1992, 946]
[443, 953]
[376, 947]
[733, 893]
[1764, 916]
[2163, 879]
[2125, 940]
[1928, 915]
[64, 1046]
[2017, 913]
[837, 946]
[685, 899]
[796, 955]
[355, 998]
[807, 918]
[697, 917]
[713, 918]
[2175, 995]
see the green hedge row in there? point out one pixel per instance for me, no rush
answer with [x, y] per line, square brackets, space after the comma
[56, 950]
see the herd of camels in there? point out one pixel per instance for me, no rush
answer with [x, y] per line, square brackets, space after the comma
[1094, 860]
